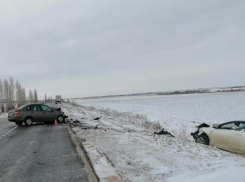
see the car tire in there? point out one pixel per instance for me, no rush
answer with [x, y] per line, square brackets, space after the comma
[60, 119]
[19, 123]
[202, 139]
[28, 121]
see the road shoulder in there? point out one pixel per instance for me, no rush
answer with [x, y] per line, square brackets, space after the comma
[97, 167]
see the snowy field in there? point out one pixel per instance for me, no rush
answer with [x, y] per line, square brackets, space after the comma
[176, 113]
[116, 144]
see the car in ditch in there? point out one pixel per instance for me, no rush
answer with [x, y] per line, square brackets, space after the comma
[228, 136]
[35, 113]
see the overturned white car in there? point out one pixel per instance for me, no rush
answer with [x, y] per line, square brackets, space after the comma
[228, 136]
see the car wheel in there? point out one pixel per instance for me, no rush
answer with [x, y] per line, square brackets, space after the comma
[202, 139]
[19, 123]
[60, 119]
[28, 121]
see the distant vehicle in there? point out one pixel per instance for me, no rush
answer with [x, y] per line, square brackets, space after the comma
[228, 136]
[58, 99]
[35, 113]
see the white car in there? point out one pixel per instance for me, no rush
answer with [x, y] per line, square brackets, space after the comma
[228, 136]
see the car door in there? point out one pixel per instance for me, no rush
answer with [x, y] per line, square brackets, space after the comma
[48, 114]
[28, 111]
[36, 112]
[238, 138]
[243, 142]
[222, 137]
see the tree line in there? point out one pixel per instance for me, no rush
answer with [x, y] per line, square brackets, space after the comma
[14, 94]
[47, 99]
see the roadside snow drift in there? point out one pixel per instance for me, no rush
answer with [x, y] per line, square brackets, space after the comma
[138, 155]
[176, 113]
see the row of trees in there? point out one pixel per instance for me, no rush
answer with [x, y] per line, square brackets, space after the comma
[14, 94]
[47, 99]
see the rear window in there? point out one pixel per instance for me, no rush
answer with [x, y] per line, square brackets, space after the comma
[35, 108]
[28, 108]
[21, 107]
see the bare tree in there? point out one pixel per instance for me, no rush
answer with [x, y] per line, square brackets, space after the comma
[35, 96]
[18, 93]
[6, 89]
[1, 90]
[31, 96]
[6, 92]
[11, 92]
[23, 96]
[45, 98]
[1, 95]
[11, 88]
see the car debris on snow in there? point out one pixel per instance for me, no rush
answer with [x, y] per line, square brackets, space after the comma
[98, 118]
[163, 132]
[195, 134]
[139, 156]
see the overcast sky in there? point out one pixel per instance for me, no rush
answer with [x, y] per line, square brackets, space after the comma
[80, 48]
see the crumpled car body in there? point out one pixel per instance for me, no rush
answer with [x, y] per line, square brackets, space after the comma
[228, 136]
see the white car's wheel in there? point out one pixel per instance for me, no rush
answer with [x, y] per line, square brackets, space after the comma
[28, 121]
[202, 139]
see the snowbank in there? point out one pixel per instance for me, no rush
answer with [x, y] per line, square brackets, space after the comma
[177, 112]
[137, 155]
[3, 115]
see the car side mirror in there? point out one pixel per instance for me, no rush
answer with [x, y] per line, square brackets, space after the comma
[52, 110]
[215, 126]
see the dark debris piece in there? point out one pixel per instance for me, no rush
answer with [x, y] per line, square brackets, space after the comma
[77, 122]
[41, 163]
[89, 127]
[97, 118]
[163, 132]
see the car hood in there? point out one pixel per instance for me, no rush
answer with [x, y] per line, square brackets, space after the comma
[59, 112]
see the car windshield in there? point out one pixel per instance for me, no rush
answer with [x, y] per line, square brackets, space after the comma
[231, 126]
[241, 126]
[46, 108]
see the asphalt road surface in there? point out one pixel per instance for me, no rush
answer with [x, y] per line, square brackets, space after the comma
[41, 152]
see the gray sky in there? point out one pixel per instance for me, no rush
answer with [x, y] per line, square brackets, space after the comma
[80, 48]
